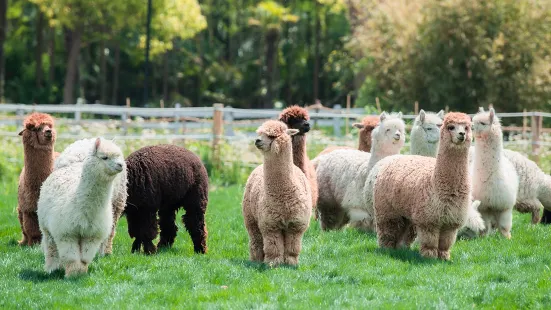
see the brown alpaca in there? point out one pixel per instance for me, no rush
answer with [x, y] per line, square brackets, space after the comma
[429, 195]
[38, 144]
[296, 117]
[277, 203]
[364, 138]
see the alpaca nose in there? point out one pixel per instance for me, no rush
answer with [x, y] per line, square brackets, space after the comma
[118, 167]
[461, 136]
[397, 136]
[306, 127]
[48, 132]
[257, 142]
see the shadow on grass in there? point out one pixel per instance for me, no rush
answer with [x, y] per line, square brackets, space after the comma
[260, 267]
[40, 276]
[407, 255]
[13, 243]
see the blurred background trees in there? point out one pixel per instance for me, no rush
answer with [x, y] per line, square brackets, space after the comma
[251, 53]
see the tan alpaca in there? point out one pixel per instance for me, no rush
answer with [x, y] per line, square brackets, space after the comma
[364, 135]
[429, 195]
[277, 203]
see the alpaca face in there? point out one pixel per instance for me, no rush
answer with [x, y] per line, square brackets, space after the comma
[39, 136]
[108, 157]
[459, 133]
[302, 125]
[390, 133]
[430, 124]
[272, 136]
[485, 124]
[296, 117]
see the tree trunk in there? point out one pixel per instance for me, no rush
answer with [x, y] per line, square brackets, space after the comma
[51, 54]
[103, 73]
[38, 49]
[114, 98]
[165, 76]
[72, 66]
[315, 80]
[3, 24]
[272, 37]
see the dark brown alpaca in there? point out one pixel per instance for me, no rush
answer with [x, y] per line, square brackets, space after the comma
[296, 117]
[163, 179]
[38, 138]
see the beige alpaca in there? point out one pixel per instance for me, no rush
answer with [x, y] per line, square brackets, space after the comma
[277, 203]
[430, 196]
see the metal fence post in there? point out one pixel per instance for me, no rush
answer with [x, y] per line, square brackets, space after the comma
[228, 122]
[536, 130]
[337, 121]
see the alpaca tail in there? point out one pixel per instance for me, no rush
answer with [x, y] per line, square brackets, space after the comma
[544, 194]
[474, 224]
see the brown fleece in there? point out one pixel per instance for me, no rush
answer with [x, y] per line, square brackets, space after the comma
[366, 126]
[39, 159]
[163, 179]
[430, 196]
[295, 117]
[277, 203]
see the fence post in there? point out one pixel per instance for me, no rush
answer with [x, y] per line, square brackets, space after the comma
[228, 122]
[416, 108]
[346, 129]
[337, 121]
[217, 127]
[78, 114]
[125, 117]
[176, 117]
[536, 130]
[524, 123]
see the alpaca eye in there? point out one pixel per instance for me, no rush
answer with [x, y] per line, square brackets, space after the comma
[439, 125]
[104, 157]
[272, 137]
[429, 129]
[450, 128]
[388, 130]
[483, 124]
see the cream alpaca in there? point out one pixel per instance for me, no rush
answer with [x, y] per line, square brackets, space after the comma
[495, 182]
[426, 195]
[425, 133]
[277, 203]
[342, 174]
[74, 209]
[78, 151]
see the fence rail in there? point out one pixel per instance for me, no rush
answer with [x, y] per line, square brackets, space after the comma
[218, 122]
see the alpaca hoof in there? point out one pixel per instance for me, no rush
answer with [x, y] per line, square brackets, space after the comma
[445, 255]
[35, 241]
[23, 242]
[164, 244]
[149, 248]
[136, 245]
[272, 263]
[507, 235]
[429, 253]
[291, 260]
[75, 269]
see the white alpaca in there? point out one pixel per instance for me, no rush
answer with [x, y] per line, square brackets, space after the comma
[74, 208]
[425, 133]
[342, 174]
[495, 181]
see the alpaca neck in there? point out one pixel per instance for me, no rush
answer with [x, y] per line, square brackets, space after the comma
[489, 152]
[278, 171]
[39, 163]
[420, 145]
[95, 186]
[379, 152]
[451, 172]
[364, 143]
[300, 157]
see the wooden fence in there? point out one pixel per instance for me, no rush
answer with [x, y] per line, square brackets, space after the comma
[218, 122]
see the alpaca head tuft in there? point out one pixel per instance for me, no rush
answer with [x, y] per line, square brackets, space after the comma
[273, 136]
[296, 117]
[486, 124]
[107, 157]
[430, 124]
[456, 131]
[389, 135]
[38, 131]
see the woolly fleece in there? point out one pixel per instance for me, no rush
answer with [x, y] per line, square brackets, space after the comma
[365, 127]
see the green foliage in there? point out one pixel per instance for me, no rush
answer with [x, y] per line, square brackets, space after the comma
[460, 53]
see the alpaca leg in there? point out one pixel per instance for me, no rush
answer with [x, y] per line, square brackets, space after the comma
[389, 232]
[194, 220]
[24, 240]
[447, 239]
[293, 245]
[274, 247]
[505, 222]
[408, 236]
[143, 227]
[428, 240]
[88, 250]
[50, 253]
[546, 218]
[31, 228]
[69, 255]
[256, 245]
[488, 219]
[167, 225]
[331, 216]
[106, 247]
[531, 206]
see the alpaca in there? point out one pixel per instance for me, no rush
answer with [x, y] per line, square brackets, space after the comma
[277, 203]
[364, 137]
[342, 174]
[425, 133]
[424, 195]
[74, 209]
[38, 138]
[495, 181]
[296, 117]
[163, 179]
[78, 151]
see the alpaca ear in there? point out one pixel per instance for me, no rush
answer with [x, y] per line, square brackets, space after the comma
[440, 114]
[382, 117]
[358, 125]
[400, 115]
[96, 145]
[422, 116]
[292, 132]
[480, 109]
[21, 132]
[492, 115]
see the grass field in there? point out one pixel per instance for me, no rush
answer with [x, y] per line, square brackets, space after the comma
[342, 269]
